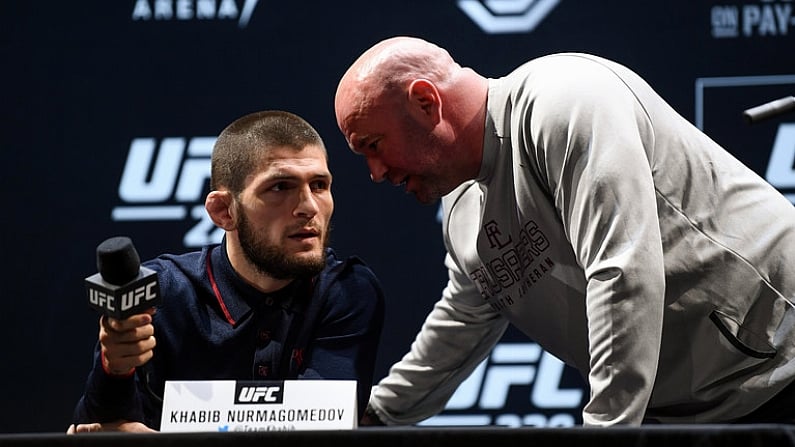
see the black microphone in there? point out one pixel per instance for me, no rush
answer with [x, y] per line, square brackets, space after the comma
[769, 109]
[122, 287]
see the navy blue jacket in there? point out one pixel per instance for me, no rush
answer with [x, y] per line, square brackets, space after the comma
[327, 327]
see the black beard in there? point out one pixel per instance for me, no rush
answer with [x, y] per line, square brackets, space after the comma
[271, 260]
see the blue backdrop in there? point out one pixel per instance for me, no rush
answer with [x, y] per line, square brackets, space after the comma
[98, 93]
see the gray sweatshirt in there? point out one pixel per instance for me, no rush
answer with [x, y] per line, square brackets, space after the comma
[621, 239]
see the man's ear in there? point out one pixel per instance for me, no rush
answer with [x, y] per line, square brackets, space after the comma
[425, 103]
[220, 205]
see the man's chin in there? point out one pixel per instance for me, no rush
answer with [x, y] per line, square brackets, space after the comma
[309, 257]
[426, 199]
[425, 195]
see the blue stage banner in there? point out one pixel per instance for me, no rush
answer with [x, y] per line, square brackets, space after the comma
[110, 111]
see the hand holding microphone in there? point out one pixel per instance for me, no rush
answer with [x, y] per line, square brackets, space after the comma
[125, 293]
[126, 344]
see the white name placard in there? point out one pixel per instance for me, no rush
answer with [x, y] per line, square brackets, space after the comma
[229, 405]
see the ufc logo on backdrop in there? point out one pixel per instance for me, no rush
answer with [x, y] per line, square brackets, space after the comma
[507, 16]
[781, 167]
[166, 182]
[482, 399]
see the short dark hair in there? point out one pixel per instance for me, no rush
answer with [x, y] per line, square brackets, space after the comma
[243, 145]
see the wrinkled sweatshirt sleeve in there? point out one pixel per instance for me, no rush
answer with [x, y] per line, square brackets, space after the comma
[108, 398]
[595, 142]
[457, 334]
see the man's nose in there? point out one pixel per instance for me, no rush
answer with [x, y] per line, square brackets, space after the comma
[377, 169]
[307, 203]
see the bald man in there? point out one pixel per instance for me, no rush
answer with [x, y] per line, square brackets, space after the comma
[581, 208]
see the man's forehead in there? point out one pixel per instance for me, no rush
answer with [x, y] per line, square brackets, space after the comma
[360, 110]
[294, 160]
[310, 151]
[351, 121]
[295, 166]
[363, 124]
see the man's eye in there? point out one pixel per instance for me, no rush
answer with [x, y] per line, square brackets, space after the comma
[373, 146]
[281, 186]
[319, 185]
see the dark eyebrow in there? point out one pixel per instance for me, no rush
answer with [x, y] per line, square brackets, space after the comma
[281, 177]
[324, 176]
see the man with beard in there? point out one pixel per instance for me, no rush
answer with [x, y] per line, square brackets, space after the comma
[270, 302]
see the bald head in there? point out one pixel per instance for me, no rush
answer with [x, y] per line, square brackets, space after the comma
[394, 60]
[387, 68]
[415, 114]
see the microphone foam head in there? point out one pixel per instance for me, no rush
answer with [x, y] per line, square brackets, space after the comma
[117, 260]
